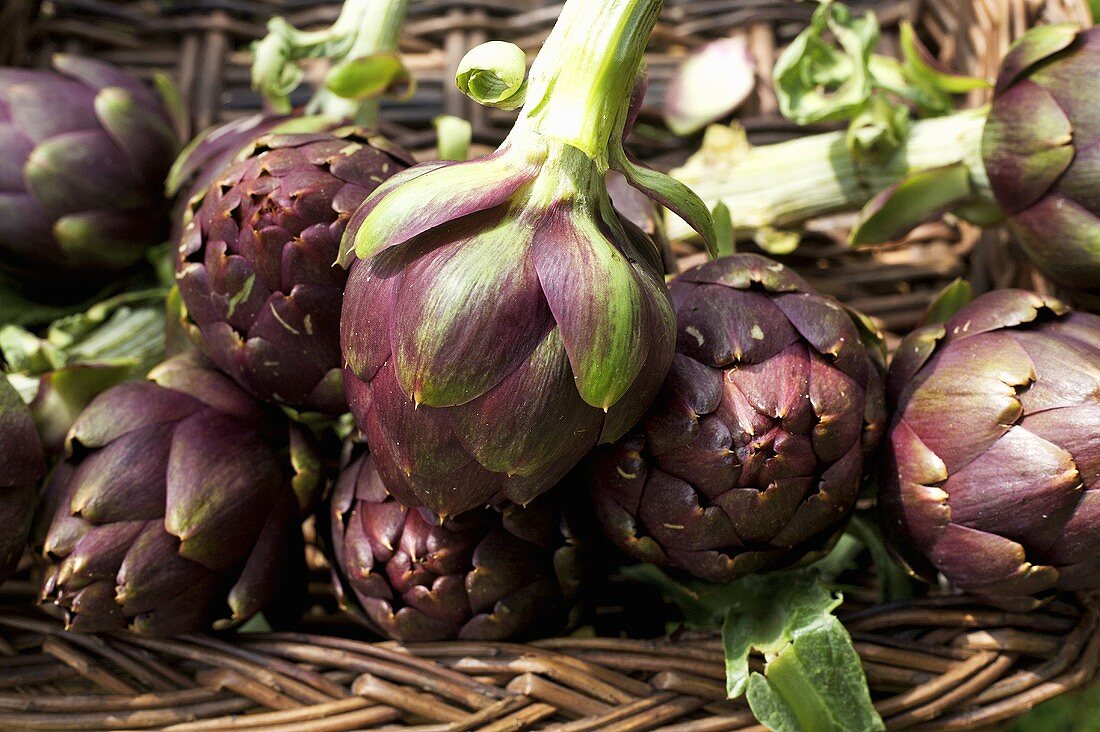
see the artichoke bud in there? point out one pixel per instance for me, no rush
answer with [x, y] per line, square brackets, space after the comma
[752, 455]
[86, 150]
[501, 318]
[992, 473]
[1040, 148]
[177, 508]
[485, 575]
[254, 263]
[22, 464]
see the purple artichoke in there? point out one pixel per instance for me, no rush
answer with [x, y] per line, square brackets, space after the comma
[753, 453]
[502, 318]
[178, 507]
[1041, 149]
[255, 266]
[993, 466]
[486, 575]
[83, 155]
[22, 464]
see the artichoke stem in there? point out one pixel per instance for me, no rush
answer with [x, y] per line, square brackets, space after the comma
[580, 84]
[785, 184]
[379, 24]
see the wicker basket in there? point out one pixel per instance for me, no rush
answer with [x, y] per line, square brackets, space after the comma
[938, 663]
[944, 663]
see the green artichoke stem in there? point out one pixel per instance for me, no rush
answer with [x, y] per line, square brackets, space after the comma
[379, 24]
[579, 87]
[785, 184]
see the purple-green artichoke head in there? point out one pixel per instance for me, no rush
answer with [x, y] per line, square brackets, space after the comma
[1041, 149]
[83, 155]
[255, 263]
[502, 320]
[752, 455]
[22, 464]
[178, 508]
[485, 575]
[993, 463]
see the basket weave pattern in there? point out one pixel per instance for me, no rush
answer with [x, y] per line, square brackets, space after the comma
[940, 664]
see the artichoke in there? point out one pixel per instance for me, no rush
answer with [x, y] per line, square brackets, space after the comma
[177, 508]
[1041, 149]
[22, 463]
[502, 319]
[83, 155]
[752, 455]
[255, 261]
[486, 575]
[993, 463]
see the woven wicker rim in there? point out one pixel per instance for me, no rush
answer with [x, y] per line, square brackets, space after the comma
[936, 664]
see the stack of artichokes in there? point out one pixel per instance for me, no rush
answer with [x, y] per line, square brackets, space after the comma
[513, 361]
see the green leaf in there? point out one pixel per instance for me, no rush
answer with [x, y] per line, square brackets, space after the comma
[126, 331]
[273, 74]
[947, 302]
[669, 192]
[173, 101]
[840, 559]
[823, 75]
[910, 201]
[921, 66]
[815, 684]
[813, 679]
[370, 76]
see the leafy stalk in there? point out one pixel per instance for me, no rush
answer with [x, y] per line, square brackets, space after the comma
[817, 175]
[362, 46]
[830, 73]
[812, 679]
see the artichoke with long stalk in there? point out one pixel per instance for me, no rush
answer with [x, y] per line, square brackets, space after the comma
[501, 319]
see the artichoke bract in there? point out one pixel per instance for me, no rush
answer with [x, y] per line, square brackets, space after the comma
[993, 463]
[753, 453]
[83, 155]
[215, 149]
[486, 575]
[501, 319]
[1041, 148]
[22, 464]
[255, 262]
[178, 508]
[207, 156]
